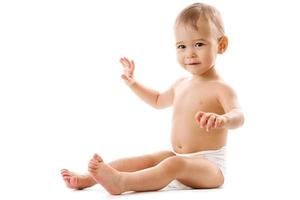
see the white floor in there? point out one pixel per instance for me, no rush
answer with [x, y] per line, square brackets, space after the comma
[98, 193]
[227, 192]
[235, 188]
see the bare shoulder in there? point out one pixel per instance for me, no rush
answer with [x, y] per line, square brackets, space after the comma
[226, 96]
[179, 81]
[224, 88]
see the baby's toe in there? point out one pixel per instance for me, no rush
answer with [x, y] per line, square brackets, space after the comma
[98, 158]
[64, 172]
[73, 181]
[67, 180]
[92, 166]
[66, 175]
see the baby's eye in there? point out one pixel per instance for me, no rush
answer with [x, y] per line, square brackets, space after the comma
[181, 46]
[199, 44]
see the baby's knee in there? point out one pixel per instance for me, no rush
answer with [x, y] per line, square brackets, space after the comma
[161, 155]
[174, 163]
[167, 154]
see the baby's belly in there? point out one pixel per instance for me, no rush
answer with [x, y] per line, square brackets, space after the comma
[188, 137]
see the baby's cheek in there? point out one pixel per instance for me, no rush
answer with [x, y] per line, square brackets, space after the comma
[179, 59]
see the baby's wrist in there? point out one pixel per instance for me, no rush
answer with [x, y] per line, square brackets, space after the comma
[131, 83]
[226, 120]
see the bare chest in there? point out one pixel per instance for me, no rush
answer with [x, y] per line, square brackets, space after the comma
[193, 97]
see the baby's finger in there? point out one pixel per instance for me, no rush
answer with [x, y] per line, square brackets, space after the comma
[127, 62]
[132, 65]
[124, 61]
[131, 68]
[198, 116]
[203, 120]
[210, 122]
[219, 122]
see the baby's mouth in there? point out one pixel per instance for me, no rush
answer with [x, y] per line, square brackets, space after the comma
[193, 64]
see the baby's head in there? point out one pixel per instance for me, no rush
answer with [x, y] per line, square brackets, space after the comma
[198, 13]
[200, 36]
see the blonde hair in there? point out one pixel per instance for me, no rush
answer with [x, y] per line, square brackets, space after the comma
[191, 14]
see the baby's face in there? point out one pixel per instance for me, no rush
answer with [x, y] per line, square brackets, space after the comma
[196, 49]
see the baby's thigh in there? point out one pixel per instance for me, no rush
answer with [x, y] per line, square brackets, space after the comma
[201, 173]
[159, 156]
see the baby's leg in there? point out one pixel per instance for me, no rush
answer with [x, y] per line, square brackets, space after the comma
[116, 182]
[137, 163]
[194, 172]
[131, 164]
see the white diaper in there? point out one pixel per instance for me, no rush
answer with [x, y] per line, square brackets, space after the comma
[217, 157]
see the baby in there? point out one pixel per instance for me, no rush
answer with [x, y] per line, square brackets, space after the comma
[204, 108]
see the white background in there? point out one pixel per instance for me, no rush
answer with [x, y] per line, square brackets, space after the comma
[62, 99]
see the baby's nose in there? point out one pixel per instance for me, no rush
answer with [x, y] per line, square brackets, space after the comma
[190, 53]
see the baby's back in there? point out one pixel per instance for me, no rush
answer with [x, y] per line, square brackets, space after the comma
[191, 96]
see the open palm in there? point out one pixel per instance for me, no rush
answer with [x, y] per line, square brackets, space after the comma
[128, 67]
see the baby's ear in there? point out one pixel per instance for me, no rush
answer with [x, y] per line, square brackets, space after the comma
[223, 44]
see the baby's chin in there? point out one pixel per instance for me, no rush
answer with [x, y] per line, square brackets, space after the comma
[198, 70]
[194, 70]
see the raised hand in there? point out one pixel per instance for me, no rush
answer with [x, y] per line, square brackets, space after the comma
[210, 121]
[128, 67]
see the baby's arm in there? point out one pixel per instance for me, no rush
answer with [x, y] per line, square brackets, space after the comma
[152, 97]
[233, 113]
[233, 117]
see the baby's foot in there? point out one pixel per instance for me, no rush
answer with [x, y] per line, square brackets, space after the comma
[76, 181]
[105, 175]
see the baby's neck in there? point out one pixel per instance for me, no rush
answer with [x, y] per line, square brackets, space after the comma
[209, 75]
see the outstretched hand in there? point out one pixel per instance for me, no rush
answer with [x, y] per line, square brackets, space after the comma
[210, 120]
[128, 67]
